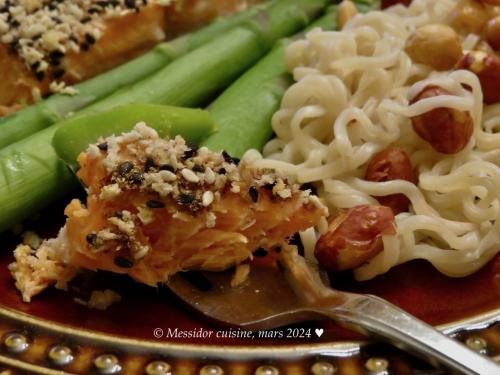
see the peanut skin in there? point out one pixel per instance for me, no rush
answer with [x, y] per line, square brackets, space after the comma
[493, 33]
[391, 164]
[354, 236]
[487, 68]
[447, 130]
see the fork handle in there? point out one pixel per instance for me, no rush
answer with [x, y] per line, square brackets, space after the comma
[373, 315]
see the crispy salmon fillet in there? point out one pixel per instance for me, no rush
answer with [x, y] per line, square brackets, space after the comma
[122, 38]
[157, 207]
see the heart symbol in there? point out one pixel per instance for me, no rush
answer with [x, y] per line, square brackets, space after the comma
[319, 331]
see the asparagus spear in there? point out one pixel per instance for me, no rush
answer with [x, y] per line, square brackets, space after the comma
[31, 175]
[243, 112]
[38, 116]
[77, 133]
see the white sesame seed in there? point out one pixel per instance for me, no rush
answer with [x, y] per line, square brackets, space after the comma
[285, 193]
[167, 176]
[209, 176]
[208, 198]
[190, 176]
[235, 188]
[109, 192]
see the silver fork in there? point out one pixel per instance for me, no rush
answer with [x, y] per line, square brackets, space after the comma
[274, 299]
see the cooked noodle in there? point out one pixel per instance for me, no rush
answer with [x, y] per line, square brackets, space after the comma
[351, 100]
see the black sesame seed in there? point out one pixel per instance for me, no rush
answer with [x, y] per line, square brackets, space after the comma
[118, 214]
[167, 167]
[198, 168]
[155, 204]
[186, 198]
[149, 164]
[254, 194]
[123, 262]
[277, 249]
[56, 54]
[86, 19]
[222, 171]
[260, 252]
[191, 151]
[58, 73]
[125, 168]
[229, 159]
[35, 65]
[94, 11]
[15, 23]
[136, 178]
[269, 186]
[84, 46]
[57, 20]
[103, 146]
[130, 3]
[40, 75]
[89, 38]
[91, 238]
[14, 44]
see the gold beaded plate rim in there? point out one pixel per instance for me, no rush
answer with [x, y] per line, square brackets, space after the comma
[190, 351]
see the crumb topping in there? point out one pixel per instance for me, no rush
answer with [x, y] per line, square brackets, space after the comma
[181, 178]
[41, 32]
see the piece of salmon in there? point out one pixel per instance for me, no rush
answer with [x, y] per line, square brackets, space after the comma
[157, 207]
[123, 38]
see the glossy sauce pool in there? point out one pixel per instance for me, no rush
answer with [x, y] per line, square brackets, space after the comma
[416, 287]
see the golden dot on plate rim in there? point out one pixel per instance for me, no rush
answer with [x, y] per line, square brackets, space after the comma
[323, 368]
[477, 344]
[16, 342]
[158, 368]
[267, 370]
[60, 355]
[211, 370]
[107, 364]
[377, 364]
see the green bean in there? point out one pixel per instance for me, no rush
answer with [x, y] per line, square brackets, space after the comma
[243, 112]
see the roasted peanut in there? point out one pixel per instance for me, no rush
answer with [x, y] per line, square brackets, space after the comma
[391, 164]
[487, 68]
[435, 45]
[493, 33]
[388, 3]
[345, 12]
[469, 16]
[447, 130]
[354, 236]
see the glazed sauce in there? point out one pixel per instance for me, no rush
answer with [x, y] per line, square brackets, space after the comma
[416, 287]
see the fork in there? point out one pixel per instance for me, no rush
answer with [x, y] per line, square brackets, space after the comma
[272, 298]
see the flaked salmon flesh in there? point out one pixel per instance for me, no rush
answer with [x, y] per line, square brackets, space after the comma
[156, 207]
[124, 36]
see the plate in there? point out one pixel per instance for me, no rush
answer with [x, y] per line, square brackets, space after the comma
[150, 332]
